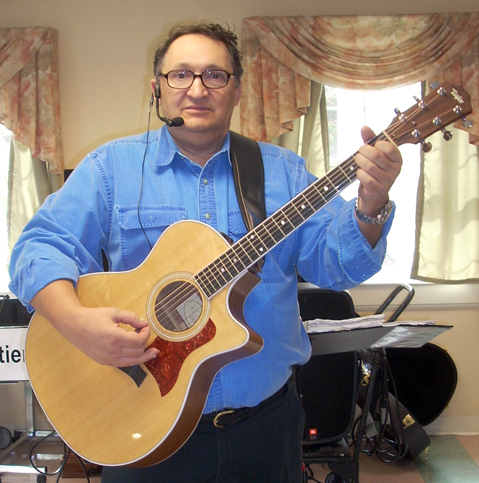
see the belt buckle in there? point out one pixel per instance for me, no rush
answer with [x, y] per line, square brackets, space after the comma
[221, 413]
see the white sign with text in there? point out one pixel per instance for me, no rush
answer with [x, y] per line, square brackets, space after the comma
[12, 354]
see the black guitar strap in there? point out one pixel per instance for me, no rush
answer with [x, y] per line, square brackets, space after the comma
[248, 173]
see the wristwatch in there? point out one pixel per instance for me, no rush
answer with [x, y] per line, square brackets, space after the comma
[379, 219]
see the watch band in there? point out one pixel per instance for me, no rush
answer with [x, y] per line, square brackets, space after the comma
[379, 219]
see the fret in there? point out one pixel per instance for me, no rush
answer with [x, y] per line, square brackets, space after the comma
[205, 283]
[236, 262]
[222, 270]
[305, 208]
[244, 246]
[345, 173]
[319, 202]
[267, 234]
[282, 221]
[278, 228]
[256, 243]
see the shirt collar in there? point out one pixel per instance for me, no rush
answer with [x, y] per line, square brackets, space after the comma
[167, 148]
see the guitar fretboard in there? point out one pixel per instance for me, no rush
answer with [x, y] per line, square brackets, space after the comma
[254, 245]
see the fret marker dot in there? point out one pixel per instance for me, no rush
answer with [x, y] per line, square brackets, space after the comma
[303, 207]
[326, 188]
[261, 249]
[282, 222]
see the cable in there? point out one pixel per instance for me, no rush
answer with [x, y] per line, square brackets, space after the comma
[389, 443]
[59, 471]
[142, 174]
[309, 474]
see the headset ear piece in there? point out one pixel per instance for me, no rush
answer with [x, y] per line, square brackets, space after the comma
[157, 90]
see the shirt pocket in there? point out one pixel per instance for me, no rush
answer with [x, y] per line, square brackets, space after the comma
[236, 226]
[136, 237]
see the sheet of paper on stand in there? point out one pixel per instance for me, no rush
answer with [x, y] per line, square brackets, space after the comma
[410, 335]
[327, 325]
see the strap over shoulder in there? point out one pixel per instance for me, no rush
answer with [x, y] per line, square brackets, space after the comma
[248, 172]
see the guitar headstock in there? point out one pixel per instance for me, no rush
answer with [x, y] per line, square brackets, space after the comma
[438, 109]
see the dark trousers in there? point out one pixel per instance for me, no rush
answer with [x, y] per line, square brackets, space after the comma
[265, 448]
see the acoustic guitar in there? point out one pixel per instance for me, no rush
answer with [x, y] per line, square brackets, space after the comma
[191, 289]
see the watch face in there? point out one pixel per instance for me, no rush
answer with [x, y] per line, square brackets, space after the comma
[385, 212]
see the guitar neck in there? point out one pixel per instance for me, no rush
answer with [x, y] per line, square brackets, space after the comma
[264, 237]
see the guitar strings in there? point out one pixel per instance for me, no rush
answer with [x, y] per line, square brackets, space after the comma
[317, 193]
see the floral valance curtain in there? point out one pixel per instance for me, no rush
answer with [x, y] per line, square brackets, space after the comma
[29, 91]
[282, 54]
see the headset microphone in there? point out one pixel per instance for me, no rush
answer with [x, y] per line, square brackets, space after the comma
[175, 122]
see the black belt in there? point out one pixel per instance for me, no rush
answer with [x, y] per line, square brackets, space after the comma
[230, 417]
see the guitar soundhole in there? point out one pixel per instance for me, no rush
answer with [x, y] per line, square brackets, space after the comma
[178, 306]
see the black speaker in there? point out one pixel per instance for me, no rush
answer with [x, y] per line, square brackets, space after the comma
[327, 384]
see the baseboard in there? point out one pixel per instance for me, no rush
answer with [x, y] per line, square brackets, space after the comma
[460, 425]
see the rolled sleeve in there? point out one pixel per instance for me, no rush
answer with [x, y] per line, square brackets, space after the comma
[335, 253]
[357, 258]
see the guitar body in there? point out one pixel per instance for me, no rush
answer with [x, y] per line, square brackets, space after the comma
[106, 415]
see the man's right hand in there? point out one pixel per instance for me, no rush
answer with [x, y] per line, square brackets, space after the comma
[95, 331]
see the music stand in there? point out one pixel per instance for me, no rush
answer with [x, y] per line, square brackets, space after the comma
[370, 343]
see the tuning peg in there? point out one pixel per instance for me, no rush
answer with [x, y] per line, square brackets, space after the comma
[420, 102]
[400, 115]
[446, 134]
[426, 146]
[436, 86]
[467, 123]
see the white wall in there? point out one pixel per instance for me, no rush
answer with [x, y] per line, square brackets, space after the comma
[106, 49]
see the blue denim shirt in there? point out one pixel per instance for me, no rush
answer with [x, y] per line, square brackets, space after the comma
[97, 209]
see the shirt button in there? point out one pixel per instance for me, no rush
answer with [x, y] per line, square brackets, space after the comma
[205, 181]
[207, 216]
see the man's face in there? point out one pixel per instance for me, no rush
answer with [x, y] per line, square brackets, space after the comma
[202, 109]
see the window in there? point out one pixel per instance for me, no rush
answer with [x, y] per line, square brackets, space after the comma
[348, 111]
[5, 138]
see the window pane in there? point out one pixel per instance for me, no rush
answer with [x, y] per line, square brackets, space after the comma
[349, 111]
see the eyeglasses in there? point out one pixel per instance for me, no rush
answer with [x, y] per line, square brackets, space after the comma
[211, 79]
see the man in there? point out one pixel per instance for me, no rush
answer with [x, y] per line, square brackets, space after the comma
[126, 193]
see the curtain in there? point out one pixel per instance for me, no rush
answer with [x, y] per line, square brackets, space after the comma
[309, 135]
[30, 109]
[29, 91]
[448, 210]
[282, 55]
[29, 183]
